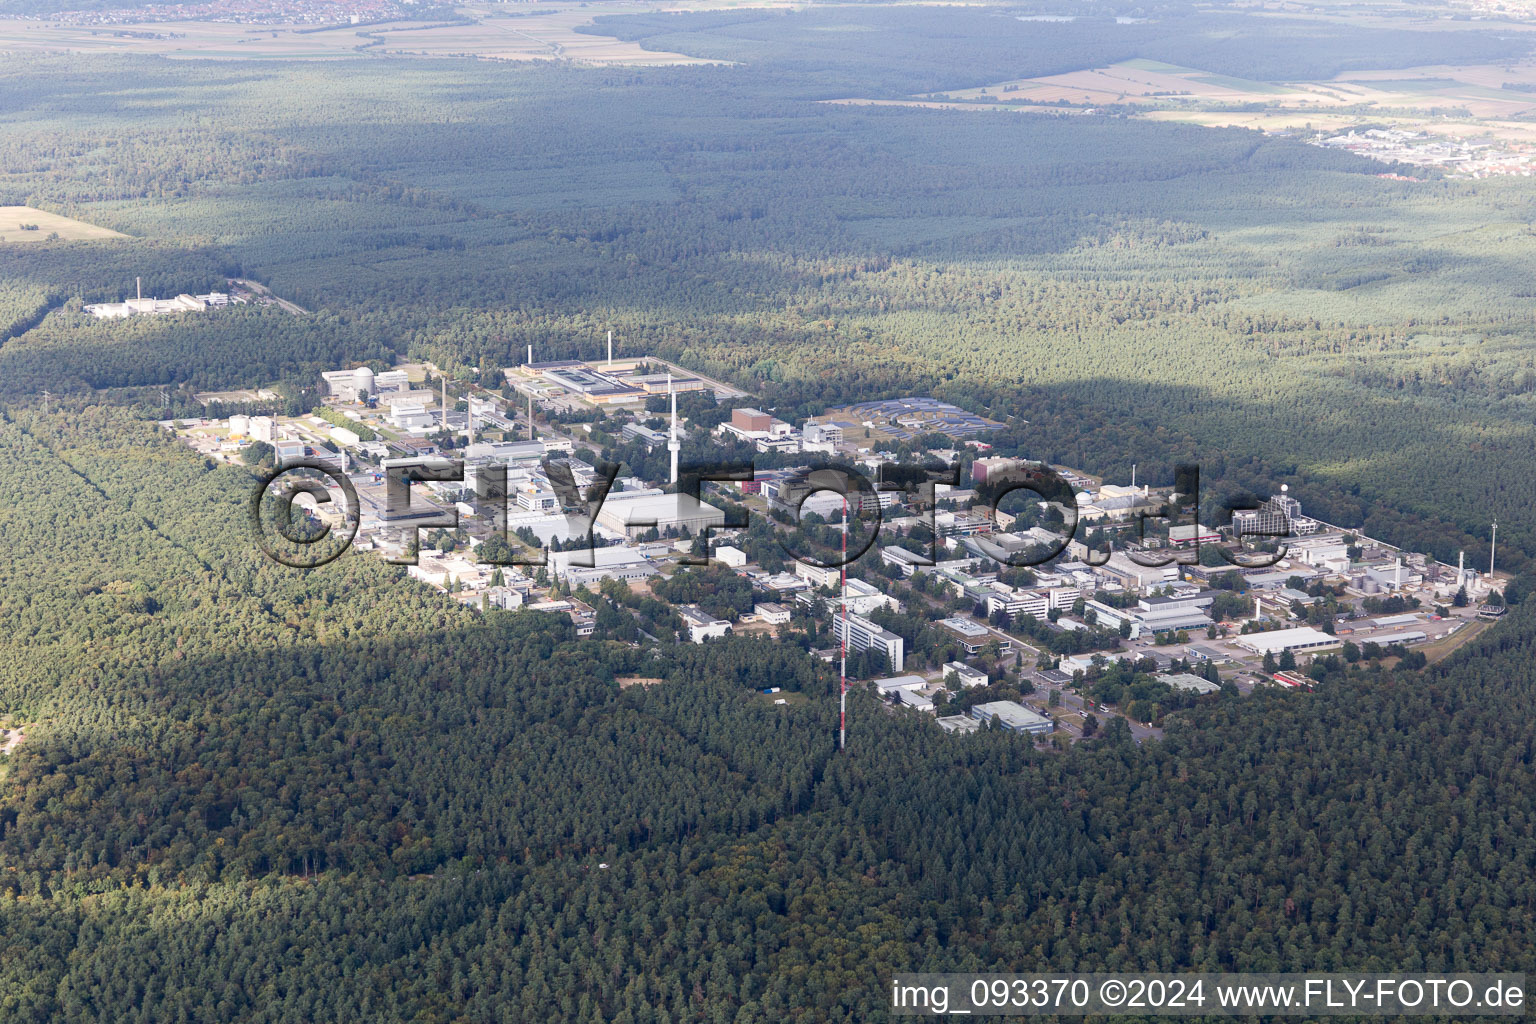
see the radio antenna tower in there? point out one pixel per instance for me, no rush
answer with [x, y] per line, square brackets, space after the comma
[674, 443]
[842, 698]
[47, 396]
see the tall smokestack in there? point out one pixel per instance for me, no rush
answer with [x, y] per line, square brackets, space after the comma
[610, 350]
[138, 283]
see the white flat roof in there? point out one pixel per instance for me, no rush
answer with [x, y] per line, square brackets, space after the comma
[899, 683]
[1301, 637]
[1410, 637]
[663, 508]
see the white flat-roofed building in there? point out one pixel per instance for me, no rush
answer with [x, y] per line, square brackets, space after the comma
[818, 575]
[892, 685]
[1001, 597]
[1013, 716]
[504, 451]
[772, 613]
[968, 676]
[536, 499]
[1181, 534]
[263, 428]
[1412, 636]
[182, 303]
[503, 598]
[1190, 683]
[392, 380]
[904, 560]
[1168, 619]
[633, 516]
[701, 625]
[782, 583]
[731, 557]
[863, 635]
[1084, 662]
[422, 397]
[640, 432]
[823, 433]
[1135, 575]
[862, 598]
[411, 416]
[1318, 552]
[973, 637]
[959, 724]
[345, 436]
[610, 563]
[1301, 638]
[916, 701]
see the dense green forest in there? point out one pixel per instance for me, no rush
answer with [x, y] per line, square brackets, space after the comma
[250, 793]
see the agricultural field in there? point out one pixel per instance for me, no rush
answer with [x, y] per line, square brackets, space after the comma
[1473, 119]
[550, 32]
[25, 224]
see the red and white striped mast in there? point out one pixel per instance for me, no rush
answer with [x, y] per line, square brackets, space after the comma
[842, 713]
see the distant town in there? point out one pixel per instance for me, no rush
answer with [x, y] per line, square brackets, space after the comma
[1469, 157]
[263, 12]
[1062, 640]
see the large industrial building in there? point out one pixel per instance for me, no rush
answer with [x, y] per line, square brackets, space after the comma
[594, 386]
[609, 382]
[634, 515]
[153, 307]
[349, 385]
[1301, 638]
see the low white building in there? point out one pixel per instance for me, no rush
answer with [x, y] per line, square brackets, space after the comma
[892, 685]
[411, 416]
[590, 566]
[772, 613]
[701, 625]
[732, 557]
[1187, 682]
[818, 575]
[967, 675]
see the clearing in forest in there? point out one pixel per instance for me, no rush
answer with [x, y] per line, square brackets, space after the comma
[24, 224]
